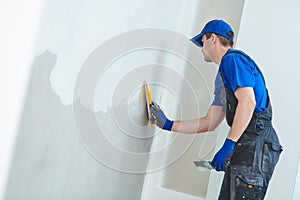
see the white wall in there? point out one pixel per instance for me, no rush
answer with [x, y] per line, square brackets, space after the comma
[269, 32]
[50, 158]
[19, 28]
[296, 194]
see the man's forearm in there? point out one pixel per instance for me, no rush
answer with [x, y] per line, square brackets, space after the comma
[213, 118]
[191, 126]
[243, 115]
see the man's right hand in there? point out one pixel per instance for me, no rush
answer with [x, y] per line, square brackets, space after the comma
[160, 118]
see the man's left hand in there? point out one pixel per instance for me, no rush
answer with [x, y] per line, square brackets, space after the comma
[219, 159]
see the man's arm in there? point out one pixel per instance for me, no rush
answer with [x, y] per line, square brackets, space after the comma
[243, 113]
[242, 117]
[212, 119]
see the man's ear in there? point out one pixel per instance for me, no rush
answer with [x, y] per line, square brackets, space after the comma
[214, 38]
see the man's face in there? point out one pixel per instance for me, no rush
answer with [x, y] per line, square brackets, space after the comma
[205, 48]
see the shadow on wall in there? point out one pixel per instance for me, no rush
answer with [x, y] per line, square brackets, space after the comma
[49, 160]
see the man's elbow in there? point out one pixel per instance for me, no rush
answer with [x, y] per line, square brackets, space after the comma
[254, 104]
[251, 104]
[212, 127]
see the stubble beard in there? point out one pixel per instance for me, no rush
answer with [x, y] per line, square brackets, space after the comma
[207, 58]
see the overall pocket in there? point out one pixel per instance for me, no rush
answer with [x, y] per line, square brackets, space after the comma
[270, 156]
[243, 154]
[248, 187]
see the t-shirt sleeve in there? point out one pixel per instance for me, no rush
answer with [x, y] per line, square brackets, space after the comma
[237, 72]
[219, 92]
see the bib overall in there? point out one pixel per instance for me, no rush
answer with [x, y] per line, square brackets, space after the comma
[251, 164]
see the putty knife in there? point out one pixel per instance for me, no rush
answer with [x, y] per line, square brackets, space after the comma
[203, 165]
[148, 103]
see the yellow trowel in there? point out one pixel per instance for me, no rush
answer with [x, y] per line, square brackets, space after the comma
[149, 102]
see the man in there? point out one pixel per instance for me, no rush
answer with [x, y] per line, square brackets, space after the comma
[251, 149]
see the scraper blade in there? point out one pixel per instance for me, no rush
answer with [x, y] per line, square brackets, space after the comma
[203, 165]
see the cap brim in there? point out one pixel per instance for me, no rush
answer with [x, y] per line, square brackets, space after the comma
[197, 40]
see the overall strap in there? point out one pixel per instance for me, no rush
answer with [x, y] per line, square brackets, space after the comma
[246, 56]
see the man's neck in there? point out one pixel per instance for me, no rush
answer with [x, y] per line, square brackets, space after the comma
[221, 51]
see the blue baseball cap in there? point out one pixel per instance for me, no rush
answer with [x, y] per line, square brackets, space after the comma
[214, 26]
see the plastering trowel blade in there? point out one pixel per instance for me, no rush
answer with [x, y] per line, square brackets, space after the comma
[203, 165]
[148, 102]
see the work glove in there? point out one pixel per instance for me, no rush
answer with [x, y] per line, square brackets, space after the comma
[219, 159]
[160, 119]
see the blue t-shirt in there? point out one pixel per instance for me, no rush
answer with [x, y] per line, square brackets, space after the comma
[240, 71]
[219, 93]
